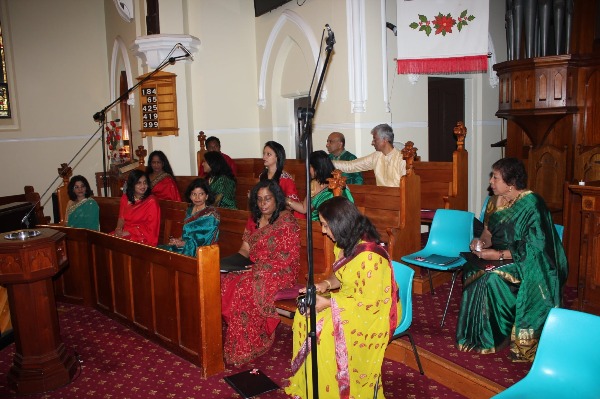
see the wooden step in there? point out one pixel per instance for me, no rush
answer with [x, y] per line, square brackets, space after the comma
[453, 376]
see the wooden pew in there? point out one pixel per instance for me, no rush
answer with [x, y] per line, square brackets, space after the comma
[172, 299]
[445, 184]
[29, 196]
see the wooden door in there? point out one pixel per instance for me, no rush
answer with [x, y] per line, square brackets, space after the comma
[446, 106]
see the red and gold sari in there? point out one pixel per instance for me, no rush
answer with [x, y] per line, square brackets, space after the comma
[248, 297]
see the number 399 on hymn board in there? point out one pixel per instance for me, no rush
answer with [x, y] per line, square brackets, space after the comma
[158, 105]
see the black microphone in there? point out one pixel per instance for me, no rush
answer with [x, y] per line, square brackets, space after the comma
[185, 50]
[392, 27]
[330, 36]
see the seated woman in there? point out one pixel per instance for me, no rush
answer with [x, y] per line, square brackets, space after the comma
[365, 309]
[201, 223]
[274, 159]
[82, 210]
[161, 177]
[511, 303]
[139, 213]
[220, 179]
[320, 170]
[272, 242]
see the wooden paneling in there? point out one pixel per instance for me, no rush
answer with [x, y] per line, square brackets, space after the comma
[546, 174]
[582, 244]
[587, 164]
[172, 299]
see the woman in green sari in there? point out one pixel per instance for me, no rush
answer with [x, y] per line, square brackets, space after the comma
[321, 168]
[220, 179]
[82, 209]
[509, 304]
[201, 223]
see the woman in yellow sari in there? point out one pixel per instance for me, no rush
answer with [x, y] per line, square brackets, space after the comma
[354, 323]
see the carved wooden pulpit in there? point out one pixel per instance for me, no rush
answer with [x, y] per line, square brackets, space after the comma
[28, 261]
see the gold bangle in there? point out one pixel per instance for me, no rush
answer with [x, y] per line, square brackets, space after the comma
[328, 284]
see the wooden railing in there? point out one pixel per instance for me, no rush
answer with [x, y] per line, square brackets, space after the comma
[172, 299]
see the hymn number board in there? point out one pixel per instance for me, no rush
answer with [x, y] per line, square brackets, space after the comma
[158, 103]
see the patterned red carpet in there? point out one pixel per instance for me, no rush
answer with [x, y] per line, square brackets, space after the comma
[119, 364]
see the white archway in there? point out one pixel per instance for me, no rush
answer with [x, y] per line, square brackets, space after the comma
[120, 49]
[286, 16]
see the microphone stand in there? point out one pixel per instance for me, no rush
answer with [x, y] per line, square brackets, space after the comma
[100, 116]
[25, 220]
[311, 295]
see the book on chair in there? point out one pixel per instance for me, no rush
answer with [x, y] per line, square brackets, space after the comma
[235, 263]
[438, 259]
[484, 264]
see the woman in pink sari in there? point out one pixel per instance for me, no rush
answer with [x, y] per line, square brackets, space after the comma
[272, 242]
[139, 213]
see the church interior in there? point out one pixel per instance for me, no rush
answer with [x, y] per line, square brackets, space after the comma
[79, 80]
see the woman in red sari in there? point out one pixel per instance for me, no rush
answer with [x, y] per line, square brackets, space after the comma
[274, 160]
[139, 213]
[161, 177]
[272, 242]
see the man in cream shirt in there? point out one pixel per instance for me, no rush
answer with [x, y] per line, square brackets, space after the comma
[386, 162]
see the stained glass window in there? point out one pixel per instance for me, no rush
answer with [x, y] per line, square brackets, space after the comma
[4, 101]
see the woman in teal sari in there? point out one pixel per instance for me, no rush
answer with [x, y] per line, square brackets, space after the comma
[509, 304]
[220, 179]
[320, 170]
[82, 209]
[201, 223]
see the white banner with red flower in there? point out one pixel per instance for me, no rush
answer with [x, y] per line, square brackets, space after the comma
[442, 36]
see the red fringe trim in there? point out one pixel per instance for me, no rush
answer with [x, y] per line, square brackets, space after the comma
[471, 64]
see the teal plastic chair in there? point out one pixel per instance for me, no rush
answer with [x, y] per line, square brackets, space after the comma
[404, 278]
[560, 230]
[567, 361]
[485, 203]
[450, 234]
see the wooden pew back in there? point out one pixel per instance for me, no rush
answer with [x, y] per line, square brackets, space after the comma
[444, 184]
[29, 196]
[395, 212]
[172, 299]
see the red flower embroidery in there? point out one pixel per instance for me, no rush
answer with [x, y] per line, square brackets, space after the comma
[443, 24]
